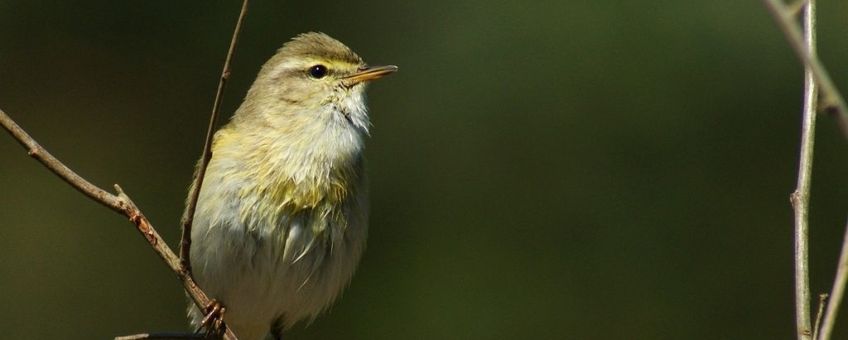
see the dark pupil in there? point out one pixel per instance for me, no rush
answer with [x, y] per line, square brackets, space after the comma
[318, 71]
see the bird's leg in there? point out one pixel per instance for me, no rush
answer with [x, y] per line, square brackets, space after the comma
[213, 322]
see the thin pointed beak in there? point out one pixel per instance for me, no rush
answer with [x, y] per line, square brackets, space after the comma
[369, 74]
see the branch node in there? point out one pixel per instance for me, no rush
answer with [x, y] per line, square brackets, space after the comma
[830, 108]
[121, 194]
[796, 197]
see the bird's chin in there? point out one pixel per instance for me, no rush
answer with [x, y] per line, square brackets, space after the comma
[354, 111]
[356, 121]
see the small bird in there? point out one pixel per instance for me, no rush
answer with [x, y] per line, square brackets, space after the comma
[282, 215]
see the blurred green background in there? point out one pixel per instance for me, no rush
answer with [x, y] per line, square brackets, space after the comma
[540, 170]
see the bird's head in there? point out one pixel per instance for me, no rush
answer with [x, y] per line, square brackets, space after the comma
[313, 79]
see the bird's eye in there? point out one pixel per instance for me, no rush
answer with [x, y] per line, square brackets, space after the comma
[318, 71]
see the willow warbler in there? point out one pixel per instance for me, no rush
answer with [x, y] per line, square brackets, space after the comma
[282, 214]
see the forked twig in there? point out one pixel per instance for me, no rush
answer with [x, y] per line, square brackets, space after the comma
[120, 203]
[200, 172]
[815, 74]
[833, 100]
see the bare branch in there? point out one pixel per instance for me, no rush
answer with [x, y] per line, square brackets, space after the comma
[833, 101]
[801, 197]
[836, 292]
[120, 203]
[40, 154]
[200, 172]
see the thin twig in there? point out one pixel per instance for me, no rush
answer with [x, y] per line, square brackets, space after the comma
[822, 299]
[801, 197]
[120, 203]
[200, 172]
[836, 292]
[162, 336]
[833, 100]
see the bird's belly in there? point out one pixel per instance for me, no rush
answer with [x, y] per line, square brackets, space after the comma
[273, 277]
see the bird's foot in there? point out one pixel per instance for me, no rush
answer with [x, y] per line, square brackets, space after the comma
[213, 322]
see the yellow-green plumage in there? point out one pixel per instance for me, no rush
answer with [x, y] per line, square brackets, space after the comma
[282, 213]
